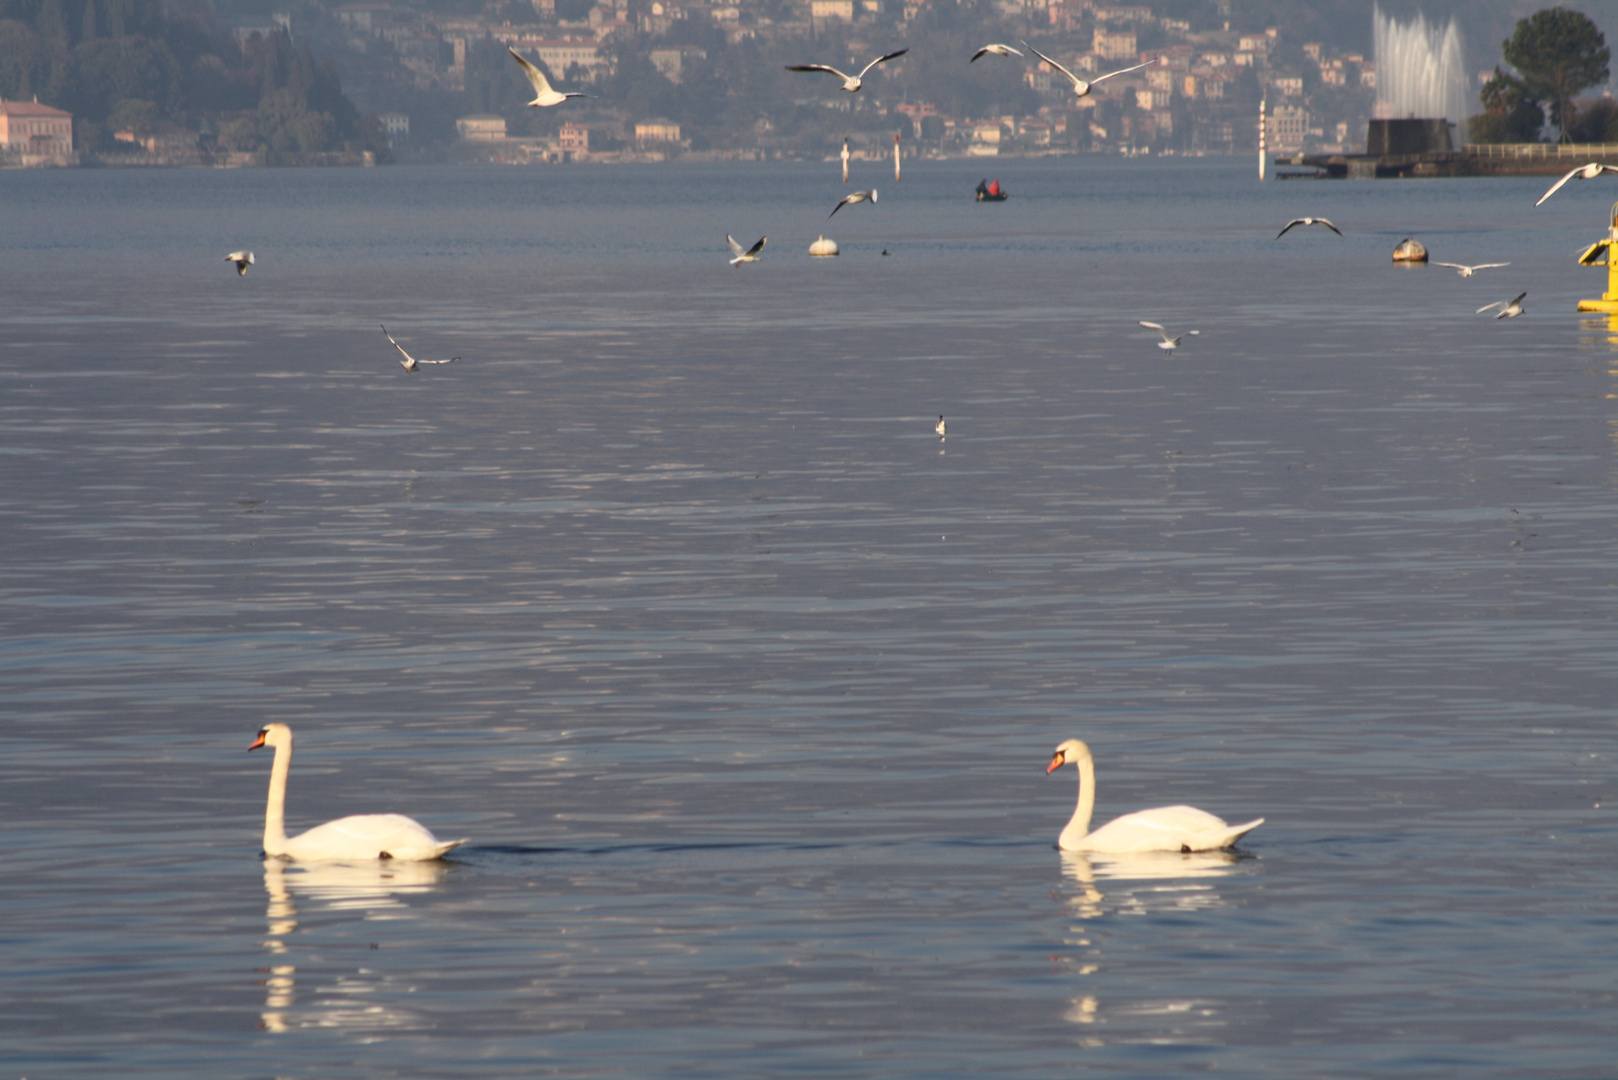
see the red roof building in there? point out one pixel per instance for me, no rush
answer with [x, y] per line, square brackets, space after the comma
[32, 128]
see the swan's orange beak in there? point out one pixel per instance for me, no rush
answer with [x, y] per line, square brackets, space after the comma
[258, 742]
[1058, 759]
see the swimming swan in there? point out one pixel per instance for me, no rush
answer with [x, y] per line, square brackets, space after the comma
[1163, 828]
[363, 836]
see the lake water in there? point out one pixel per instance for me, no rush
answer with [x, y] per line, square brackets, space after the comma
[742, 683]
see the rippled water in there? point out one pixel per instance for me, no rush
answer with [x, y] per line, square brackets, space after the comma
[742, 682]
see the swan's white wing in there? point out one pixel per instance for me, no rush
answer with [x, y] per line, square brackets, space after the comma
[880, 60]
[542, 85]
[1166, 828]
[1053, 63]
[735, 248]
[368, 836]
[817, 67]
[1124, 71]
[1558, 185]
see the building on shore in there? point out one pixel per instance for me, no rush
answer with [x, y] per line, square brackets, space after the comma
[35, 134]
[481, 127]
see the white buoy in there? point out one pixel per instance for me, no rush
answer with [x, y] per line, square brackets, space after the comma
[823, 248]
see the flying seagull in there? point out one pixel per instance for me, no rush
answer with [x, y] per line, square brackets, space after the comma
[994, 50]
[940, 428]
[749, 255]
[242, 259]
[852, 198]
[409, 363]
[1583, 172]
[851, 83]
[1168, 344]
[543, 94]
[1080, 87]
[1468, 271]
[1509, 309]
[1308, 221]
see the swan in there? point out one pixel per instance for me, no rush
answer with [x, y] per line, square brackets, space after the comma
[1163, 828]
[363, 836]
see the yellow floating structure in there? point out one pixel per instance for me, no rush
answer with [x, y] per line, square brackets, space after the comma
[1602, 251]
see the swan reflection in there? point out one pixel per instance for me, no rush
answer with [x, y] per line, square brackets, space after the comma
[1148, 883]
[372, 888]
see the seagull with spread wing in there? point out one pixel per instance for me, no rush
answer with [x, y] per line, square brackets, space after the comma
[851, 198]
[242, 259]
[1080, 87]
[1583, 172]
[410, 363]
[994, 50]
[544, 95]
[1168, 344]
[1509, 309]
[851, 83]
[1468, 271]
[1308, 221]
[748, 255]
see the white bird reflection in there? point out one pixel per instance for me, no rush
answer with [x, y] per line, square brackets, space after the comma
[1139, 884]
[372, 888]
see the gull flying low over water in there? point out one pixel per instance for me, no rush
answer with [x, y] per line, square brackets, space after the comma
[1468, 271]
[941, 429]
[1080, 87]
[749, 255]
[1308, 221]
[242, 259]
[544, 95]
[1583, 172]
[1509, 309]
[409, 363]
[852, 198]
[994, 50]
[851, 83]
[1168, 344]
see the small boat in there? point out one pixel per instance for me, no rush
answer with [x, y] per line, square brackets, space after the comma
[990, 192]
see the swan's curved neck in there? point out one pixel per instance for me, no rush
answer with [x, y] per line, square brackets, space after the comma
[275, 833]
[1078, 826]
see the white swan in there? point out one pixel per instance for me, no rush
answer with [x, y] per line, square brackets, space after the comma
[363, 836]
[1163, 828]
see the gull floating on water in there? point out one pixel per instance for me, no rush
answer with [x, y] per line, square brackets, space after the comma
[1509, 309]
[1308, 221]
[994, 50]
[1168, 344]
[939, 427]
[1468, 271]
[1583, 172]
[242, 259]
[409, 363]
[851, 83]
[1080, 87]
[749, 255]
[544, 95]
[852, 198]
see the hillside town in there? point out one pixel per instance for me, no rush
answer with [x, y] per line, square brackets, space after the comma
[373, 81]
